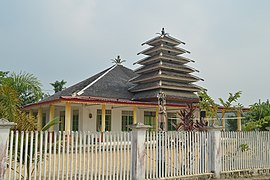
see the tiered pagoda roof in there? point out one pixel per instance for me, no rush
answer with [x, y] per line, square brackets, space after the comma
[165, 70]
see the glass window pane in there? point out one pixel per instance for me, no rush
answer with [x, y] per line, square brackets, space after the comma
[75, 120]
[150, 119]
[171, 120]
[62, 121]
[107, 120]
[127, 119]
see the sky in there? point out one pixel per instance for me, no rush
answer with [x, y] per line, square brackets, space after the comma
[75, 39]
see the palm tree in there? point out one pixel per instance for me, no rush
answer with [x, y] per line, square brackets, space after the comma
[17, 90]
[27, 86]
[9, 102]
[58, 85]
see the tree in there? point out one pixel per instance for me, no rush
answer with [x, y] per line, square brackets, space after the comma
[27, 86]
[9, 102]
[228, 104]
[58, 85]
[258, 118]
[17, 90]
[229, 107]
[208, 104]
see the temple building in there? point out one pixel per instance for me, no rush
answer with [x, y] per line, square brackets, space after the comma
[118, 96]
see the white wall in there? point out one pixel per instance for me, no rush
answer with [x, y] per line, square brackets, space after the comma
[87, 123]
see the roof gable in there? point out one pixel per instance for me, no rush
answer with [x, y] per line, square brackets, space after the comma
[112, 83]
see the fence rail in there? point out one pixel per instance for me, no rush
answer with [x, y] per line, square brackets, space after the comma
[245, 150]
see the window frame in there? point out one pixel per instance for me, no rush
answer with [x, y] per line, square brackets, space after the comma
[127, 119]
[108, 120]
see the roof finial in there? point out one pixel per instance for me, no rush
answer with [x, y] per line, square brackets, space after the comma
[163, 32]
[118, 60]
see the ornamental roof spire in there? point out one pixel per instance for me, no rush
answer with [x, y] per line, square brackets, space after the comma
[118, 60]
[163, 32]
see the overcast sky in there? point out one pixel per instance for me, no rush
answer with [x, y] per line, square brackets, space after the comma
[74, 39]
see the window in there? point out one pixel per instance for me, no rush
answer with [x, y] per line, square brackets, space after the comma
[127, 119]
[150, 119]
[108, 117]
[171, 120]
[62, 121]
[75, 120]
[43, 120]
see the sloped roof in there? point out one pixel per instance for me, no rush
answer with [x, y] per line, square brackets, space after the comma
[110, 83]
[171, 95]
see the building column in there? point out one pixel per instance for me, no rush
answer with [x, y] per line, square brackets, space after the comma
[39, 122]
[67, 116]
[103, 116]
[157, 120]
[223, 119]
[239, 128]
[134, 114]
[51, 116]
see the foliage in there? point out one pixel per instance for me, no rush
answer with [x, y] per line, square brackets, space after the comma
[50, 124]
[232, 98]
[208, 104]
[244, 147]
[9, 102]
[187, 122]
[58, 85]
[27, 86]
[17, 90]
[258, 117]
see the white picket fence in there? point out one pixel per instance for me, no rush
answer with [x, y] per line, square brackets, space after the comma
[100, 156]
[176, 154]
[64, 155]
[245, 150]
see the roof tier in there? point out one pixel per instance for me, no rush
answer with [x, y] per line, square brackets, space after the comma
[163, 39]
[171, 96]
[166, 85]
[164, 49]
[165, 66]
[165, 75]
[164, 58]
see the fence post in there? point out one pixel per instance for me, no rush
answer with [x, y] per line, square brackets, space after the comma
[138, 150]
[5, 126]
[215, 150]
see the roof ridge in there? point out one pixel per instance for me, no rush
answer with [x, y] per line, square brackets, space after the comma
[93, 82]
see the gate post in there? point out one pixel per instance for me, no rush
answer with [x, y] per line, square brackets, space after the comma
[5, 126]
[215, 150]
[138, 150]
